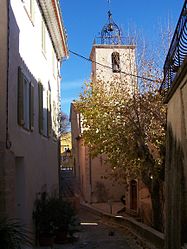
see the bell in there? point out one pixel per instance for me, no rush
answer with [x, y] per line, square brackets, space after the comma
[110, 27]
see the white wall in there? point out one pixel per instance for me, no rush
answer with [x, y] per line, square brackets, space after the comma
[102, 55]
[39, 154]
[3, 70]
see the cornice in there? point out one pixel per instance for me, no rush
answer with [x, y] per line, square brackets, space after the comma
[52, 15]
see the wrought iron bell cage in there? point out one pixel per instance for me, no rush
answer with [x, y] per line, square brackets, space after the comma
[111, 33]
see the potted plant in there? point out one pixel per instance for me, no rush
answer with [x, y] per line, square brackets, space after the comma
[43, 220]
[13, 234]
[64, 219]
[53, 217]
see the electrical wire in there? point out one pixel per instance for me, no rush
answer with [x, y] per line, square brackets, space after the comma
[98, 63]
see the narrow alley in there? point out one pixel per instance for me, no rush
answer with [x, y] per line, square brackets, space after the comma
[95, 233]
[96, 230]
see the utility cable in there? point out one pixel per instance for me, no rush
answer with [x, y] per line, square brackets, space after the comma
[98, 63]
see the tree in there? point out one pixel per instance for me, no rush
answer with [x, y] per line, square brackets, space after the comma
[64, 123]
[129, 127]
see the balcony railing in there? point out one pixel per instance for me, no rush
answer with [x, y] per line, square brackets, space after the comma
[177, 52]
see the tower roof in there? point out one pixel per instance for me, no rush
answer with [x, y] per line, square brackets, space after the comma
[111, 33]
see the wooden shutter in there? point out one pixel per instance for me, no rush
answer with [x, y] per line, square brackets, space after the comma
[49, 124]
[20, 107]
[31, 106]
[40, 107]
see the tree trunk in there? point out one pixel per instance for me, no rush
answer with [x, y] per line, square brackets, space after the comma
[157, 205]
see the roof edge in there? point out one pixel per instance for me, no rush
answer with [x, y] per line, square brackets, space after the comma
[53, 18]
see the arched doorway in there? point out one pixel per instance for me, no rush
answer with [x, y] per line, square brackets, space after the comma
[133, 195]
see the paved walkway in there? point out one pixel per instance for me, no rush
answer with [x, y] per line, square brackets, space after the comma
[96, 235]
[110, 207]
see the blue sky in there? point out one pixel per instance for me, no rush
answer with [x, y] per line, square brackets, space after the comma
[84, 20]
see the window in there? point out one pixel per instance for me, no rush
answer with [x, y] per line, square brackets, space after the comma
[29, 6]
[25, 102]
[54, 63]
[49, 122]
[43, 32]
[44, 100]
[115, 62]
[55, 124]
[45, 110]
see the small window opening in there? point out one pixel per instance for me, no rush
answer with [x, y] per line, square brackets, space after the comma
[115, 62]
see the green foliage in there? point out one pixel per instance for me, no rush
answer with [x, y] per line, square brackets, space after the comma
[126, 121]
[42, 215]
[51, 214]
[13, 234]
[63, 213]
[124, 118]
[128, 128]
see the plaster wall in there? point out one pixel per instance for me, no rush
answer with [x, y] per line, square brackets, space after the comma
[93, 175]
[101, 54]
[3, 69]
[36, 156]
[85, 181]
[177, 119]
[176, 170]
[96, 182]
[104, 187]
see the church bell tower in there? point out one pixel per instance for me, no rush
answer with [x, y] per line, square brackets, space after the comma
[112, 59]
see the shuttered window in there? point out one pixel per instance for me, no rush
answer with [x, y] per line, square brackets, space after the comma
[25, 106]
[32, 9]
[31, 107]
[54, 120]
[29, 6]
[44, 100]
[54, 64]
[43, 37]
[49, 123]
[40, 107]
[45, 111]
[20, 97]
